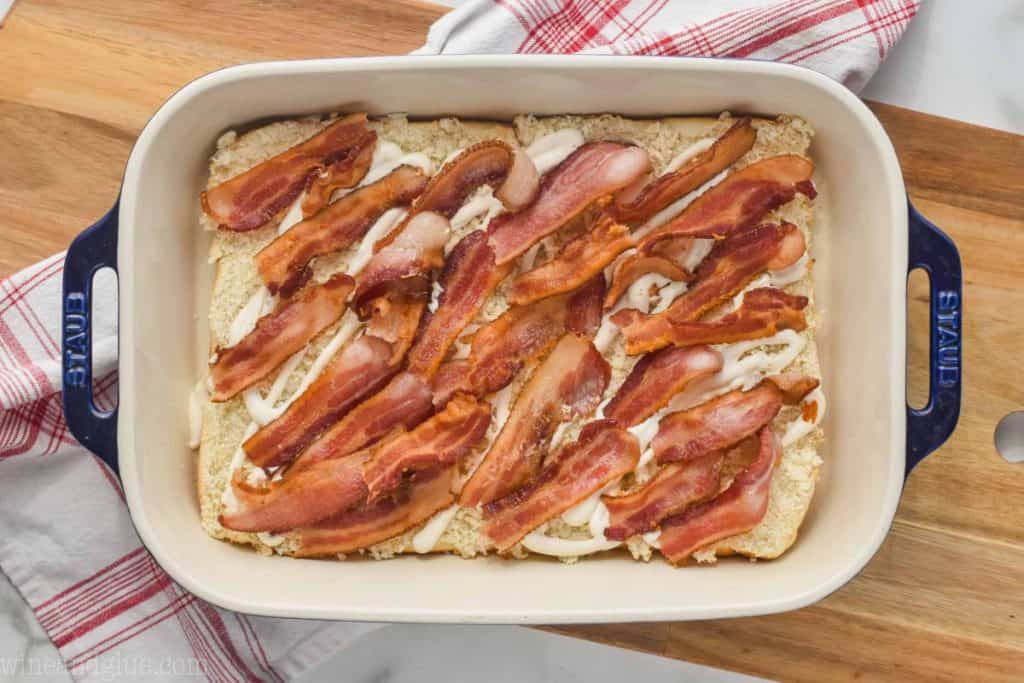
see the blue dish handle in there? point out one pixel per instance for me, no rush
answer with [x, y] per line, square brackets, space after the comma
[932, 250]
[95, 248]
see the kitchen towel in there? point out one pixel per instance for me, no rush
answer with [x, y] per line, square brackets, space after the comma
[66, 541]
[845, 39]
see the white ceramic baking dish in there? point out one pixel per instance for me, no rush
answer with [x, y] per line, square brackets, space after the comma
[862, 252]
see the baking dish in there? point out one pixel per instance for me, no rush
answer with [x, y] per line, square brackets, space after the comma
[866, 239]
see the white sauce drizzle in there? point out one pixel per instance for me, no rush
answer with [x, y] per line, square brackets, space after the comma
[699, 250]
[197, 398]
[387, 156]
[651, 538]
[484, 203]
[435, 295]
[264, 409]
[385, 224]
[799, 428]
[427, 537]
[538, 542]
[552, 149]
[689, 153]
[294, 215]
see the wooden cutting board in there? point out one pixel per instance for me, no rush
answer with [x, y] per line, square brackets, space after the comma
[944, 597]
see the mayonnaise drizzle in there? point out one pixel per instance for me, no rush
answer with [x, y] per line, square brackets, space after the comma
[799, 428]
[387, 156]
[385, 224]
[294, 215]
[689, 153]
[550, 150]
[265, 409]
[427, 537]
[197, 398]
[483, 203]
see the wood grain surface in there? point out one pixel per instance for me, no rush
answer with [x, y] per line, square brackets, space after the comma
[944, 598]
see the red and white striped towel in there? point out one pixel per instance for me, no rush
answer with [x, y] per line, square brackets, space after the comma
[843, 39]
[67, 542]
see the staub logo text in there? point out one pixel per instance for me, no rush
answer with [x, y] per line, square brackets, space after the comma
[76, 340]
[947, 313]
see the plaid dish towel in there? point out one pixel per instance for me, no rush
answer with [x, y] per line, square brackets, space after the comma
[843, 39]
[66, 541]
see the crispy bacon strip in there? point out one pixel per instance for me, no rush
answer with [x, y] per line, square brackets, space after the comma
[403, 403]
[741, 200]
[794, 386]
[257, 196]
[501, 348]
[602, 454]
[717, 424]
[278, 335]
[674, 488]
[592, 171]
[634, 266]
[425, 494]
[403, 268]
[736, 510]
[299, 499]
[763, 313]
[283, 263]
[485, 163]
[730, 266]
[360, 369]
[441, 440]
[569, 383]
[337, 176]
[577, 262]
[468, 278]
[655, 196]
[657, 378]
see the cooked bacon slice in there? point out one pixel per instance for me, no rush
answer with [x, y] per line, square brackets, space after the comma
[657, 378]
[654, 197]
[569, 383]
[577, 262]
[521, 184]
[736, 510]
[257, 196]
[794, 386]
[283, 263]
[468, 278]
[396, 321]
[501, 348]
[602, 454]
[415, 502]
[591, 172]
[634, 266]
[441, 440]
[360, 369]
[717, 424]
[741, 200]
[278, 335]
[337, 176]
[674, 488]
[485, 163]
[299, 499]
[763, 313]
[403, 267]
[403, 403]
[730, 266]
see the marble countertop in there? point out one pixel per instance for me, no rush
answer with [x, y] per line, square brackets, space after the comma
[957, 60]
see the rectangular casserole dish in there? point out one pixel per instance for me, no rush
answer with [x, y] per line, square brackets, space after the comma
[865, 239]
